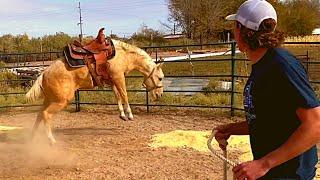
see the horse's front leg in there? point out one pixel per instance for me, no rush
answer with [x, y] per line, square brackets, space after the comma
[128, 109]
[120, 107]
[120, 86]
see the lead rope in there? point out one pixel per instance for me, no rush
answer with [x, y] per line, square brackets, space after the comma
[220, 156]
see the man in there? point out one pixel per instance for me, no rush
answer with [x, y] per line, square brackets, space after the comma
[282, 111]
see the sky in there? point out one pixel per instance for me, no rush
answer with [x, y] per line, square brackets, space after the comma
[43, 17]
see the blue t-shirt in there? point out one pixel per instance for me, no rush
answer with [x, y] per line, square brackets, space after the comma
[277, 86]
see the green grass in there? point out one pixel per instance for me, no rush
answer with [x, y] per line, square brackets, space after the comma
[199, 99]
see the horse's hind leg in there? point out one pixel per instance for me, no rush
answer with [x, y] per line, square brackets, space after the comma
[52, 109]
[36, 124]
[46, 115]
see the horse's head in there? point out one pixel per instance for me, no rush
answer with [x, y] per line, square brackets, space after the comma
[154, 81]
[137, 59]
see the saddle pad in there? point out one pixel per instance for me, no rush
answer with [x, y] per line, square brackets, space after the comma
[71, 61]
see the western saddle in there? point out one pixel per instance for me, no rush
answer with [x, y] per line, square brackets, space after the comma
[94, 55]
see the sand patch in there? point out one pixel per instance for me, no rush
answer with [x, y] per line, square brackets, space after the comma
[197, 140]
[8, 128]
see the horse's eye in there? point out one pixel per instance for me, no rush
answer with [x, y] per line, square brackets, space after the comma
[160, 79]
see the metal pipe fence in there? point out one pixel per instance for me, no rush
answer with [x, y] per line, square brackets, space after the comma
[27, 59]
[231, 68]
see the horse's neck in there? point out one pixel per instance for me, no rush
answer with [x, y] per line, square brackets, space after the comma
[136, 60]
[144, 67]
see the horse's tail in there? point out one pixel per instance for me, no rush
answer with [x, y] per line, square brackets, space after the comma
[36, 91]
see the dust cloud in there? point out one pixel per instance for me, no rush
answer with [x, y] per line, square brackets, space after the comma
[18, 152]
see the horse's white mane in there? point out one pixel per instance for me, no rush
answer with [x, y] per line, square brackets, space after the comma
[131, 48]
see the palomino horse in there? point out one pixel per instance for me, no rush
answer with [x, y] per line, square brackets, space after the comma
[57, 84]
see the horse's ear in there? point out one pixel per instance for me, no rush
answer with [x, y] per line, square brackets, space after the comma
[161, 62]
[149, 51]
[101, 37]
[160, 65]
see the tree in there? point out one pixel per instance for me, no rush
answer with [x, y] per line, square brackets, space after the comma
[6, 43]
[114, 36]
[203, 18]
[56, 42]
[206, 18]
[299, 17]
[147, 36]
[21, 43]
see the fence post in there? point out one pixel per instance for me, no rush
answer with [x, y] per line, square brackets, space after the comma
[147, 93]
[156, 55]
[307, 63]
[233, 74]
[77, 98]
[147, 101]
[18, 60]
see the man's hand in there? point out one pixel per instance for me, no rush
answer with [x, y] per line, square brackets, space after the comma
[250, 170]
[222, 135]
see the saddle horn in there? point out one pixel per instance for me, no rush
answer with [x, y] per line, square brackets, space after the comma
[101, 37]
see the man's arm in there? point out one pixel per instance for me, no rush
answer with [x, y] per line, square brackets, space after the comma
[225, 131]
[306, 136]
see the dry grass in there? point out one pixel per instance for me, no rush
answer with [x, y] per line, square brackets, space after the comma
[311, 38]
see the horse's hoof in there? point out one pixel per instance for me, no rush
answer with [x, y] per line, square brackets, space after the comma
[130, 116]
[123, 118]
[53, 142]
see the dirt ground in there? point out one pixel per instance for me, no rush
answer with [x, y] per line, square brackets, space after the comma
[96, 144]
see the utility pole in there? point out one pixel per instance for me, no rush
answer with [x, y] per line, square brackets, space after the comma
[41, 44]
[80, 23]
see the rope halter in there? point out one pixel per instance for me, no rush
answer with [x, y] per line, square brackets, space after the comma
[150, 76]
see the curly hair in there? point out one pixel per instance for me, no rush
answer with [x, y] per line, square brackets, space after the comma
[266, 36]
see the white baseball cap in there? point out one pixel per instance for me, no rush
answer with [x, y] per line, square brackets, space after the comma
[252, 12]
